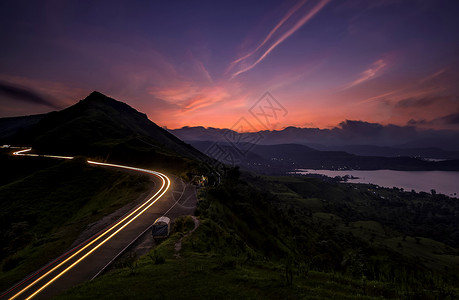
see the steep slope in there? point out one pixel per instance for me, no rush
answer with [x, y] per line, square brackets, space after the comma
[103, 127]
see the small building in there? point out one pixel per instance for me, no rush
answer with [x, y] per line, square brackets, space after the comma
[161, 227]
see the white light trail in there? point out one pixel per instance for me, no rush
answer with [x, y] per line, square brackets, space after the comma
[129, 218]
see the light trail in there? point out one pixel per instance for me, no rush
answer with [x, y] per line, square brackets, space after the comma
[129, 218]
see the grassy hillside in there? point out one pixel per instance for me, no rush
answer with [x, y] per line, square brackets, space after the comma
[14, 167]
[205, 276]
[289, 237]
[46, 205]
[11, 126]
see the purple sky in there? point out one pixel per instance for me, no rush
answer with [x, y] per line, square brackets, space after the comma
[208, 62]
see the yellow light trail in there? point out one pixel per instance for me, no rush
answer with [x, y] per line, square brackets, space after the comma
[165, 182]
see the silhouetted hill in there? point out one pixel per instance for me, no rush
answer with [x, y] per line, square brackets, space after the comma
[103, 127]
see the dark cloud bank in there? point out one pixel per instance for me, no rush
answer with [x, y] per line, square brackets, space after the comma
[25, 95]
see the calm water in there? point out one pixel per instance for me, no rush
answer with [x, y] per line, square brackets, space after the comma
[442, 181]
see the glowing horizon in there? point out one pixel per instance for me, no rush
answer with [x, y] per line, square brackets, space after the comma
[383, 62]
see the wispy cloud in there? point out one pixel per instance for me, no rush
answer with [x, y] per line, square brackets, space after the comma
[270, 34]
[205, 96]
[421, 103]
[373, 71]
[426, 87]
[205, 71]
[191, 96]
[380, 97]
[433, 76]
[309, 15]
[408, 92]
[448, 121]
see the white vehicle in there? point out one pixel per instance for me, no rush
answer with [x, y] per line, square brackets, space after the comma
[161, 227]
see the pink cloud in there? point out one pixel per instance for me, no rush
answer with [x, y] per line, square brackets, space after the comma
[433, 76]
[191, 96]
[373, 71]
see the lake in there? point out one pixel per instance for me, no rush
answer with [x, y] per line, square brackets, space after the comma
[443, 182]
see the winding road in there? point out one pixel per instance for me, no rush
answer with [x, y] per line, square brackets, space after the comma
[86, 260]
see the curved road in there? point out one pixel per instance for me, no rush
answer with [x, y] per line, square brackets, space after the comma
[93, 254]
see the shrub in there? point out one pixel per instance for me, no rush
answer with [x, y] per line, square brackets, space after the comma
[183, 224]
[157, 258]
[10, 263]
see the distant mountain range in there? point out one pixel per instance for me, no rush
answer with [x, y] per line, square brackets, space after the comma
[275, 159]
[338, 148]
[356, 137]
[99, 126]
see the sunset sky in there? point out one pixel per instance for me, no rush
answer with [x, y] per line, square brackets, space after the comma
[190, 63]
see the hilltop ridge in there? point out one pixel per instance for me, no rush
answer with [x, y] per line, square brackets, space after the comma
[100, 126]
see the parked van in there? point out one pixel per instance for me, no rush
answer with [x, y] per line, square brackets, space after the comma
[161, 227]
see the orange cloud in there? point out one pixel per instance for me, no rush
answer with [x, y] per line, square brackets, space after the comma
[191, 96]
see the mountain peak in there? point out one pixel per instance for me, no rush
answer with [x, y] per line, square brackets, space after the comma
[98, 97]
[102, 126]
[100, 101]
[95, 95]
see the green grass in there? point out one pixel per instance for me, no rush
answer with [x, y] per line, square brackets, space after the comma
[207, 270]
[292, 238]
[216, 275]
[326, 216]
[437, 256]
[43, 213]
[402, 229]
[207, 278]
[15, 168]
[313, 204]
[249, 240]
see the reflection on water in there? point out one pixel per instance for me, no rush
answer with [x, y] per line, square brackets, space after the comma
[443, 182]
